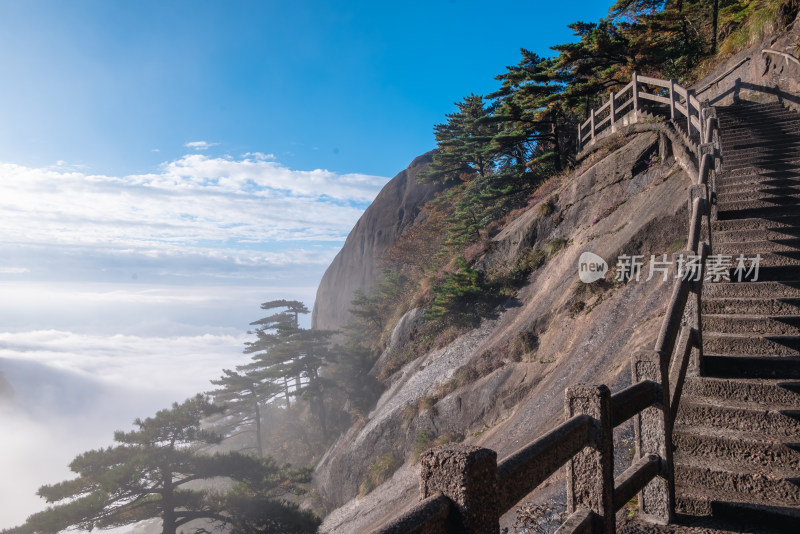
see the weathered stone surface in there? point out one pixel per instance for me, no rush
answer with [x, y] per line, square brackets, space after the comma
[468, 476]
[403, 331]
[753, 74]
[522, 400]
[356, 266]
[590, 473]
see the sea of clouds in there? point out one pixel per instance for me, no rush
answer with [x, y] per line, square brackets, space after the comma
[121, 295]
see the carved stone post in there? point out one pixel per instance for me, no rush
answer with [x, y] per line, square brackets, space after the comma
[672, 83]
[580, 136]
[707, 167]
[654, 436]
[692, 313]
[689, 95]
[612, 109]
[590, 473]
[468, 476]
[701, 191]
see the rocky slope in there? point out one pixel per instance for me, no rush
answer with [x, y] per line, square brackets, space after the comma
[626, 198]
[394, 210]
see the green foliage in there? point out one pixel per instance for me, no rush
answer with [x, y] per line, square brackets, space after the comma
[463, 143]
[460, 297]
[379, 472]
[149, 472]
[421, 444]
[373, 313]
[523, 343]
[546, 208]
[291, 357]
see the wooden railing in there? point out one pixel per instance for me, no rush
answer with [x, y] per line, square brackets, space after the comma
[463, 488]
[625, 107]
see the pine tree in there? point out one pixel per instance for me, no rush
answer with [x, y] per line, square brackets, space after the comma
[243, 393]
[529, 111]
[462, 143]
[290, 356]
[150, 474]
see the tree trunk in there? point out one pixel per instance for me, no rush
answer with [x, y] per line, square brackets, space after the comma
[258, 430]
[714, 26]
[322, 419]
[168, 516]
[556, 146]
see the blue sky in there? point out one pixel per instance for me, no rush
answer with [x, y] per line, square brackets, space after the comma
[167, 166]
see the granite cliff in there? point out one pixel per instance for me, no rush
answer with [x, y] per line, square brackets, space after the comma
[356, 266]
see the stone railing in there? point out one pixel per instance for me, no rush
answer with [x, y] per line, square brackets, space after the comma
[625, 107]
[464, 489]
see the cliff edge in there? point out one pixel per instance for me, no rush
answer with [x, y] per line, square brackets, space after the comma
[393, 211]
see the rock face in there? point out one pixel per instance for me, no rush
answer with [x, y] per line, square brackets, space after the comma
[765, 72]
[392, 212]
[611, 205]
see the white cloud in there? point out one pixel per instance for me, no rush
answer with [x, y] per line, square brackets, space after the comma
[180, 365]
[240, 213]
[14, 270]
[200, 145]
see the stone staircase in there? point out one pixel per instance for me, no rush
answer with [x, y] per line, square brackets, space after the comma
[737, 435]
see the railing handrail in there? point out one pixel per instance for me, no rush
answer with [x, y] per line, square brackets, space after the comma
[585, 440]
[680, 100]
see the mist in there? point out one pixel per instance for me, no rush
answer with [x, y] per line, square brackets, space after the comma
[84, 360]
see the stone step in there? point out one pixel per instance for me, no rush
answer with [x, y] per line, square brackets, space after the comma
[750, 516]
[758, 192]
[746, 106]
[756, 166]
[757, 127]
[752, 324]
[787, 258]
[725, 183]
[765, 161]
[779, 421]
[750, 345]
[755, 367]
[752, 290]
[759, 175]
[756, 209]
[746, 173]
[760, 127]
[765, 391]
[757, 188]
[781, 131]
[790, 233]
[752, 113]
[734, 159]
[753, 108]
[744, 138]
[750, 139]
[756, 223]
[750, 248]
[757, 123]
[748, 448]
[756, 146]
[763, 306]
[772, 484]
